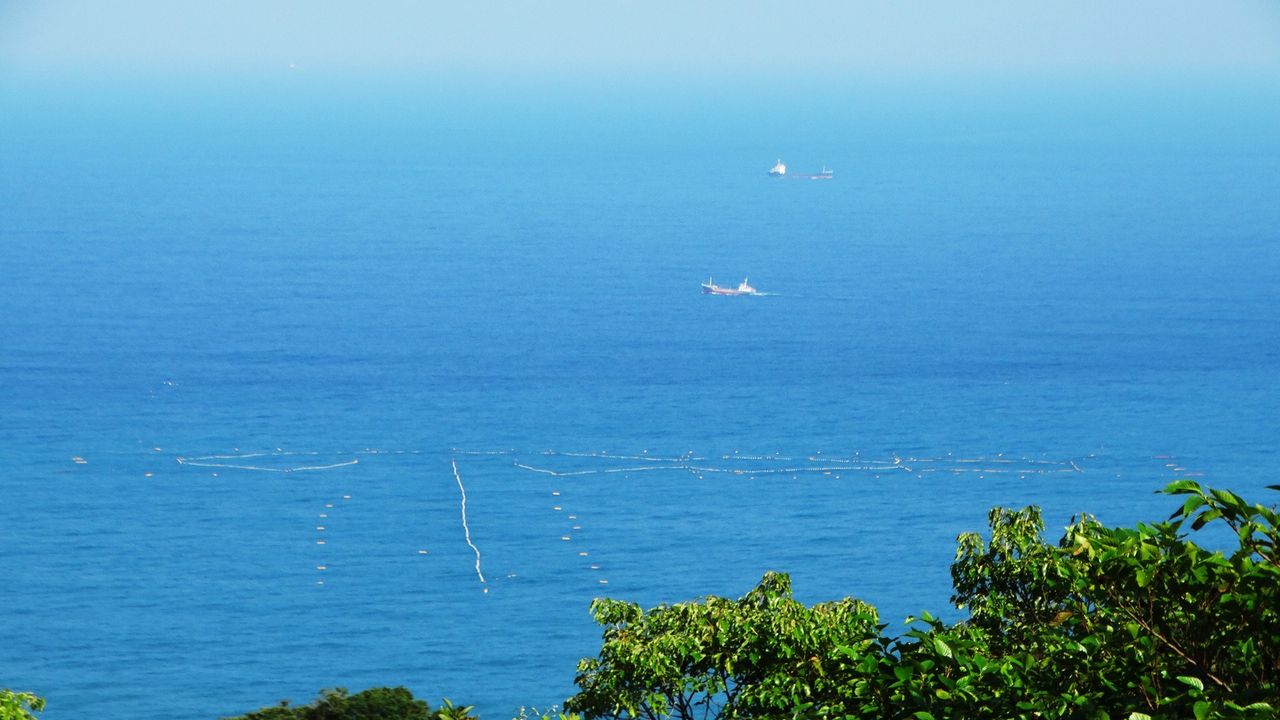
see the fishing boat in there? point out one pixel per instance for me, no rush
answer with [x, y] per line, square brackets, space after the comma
[710, 288]
[824, 174]
[779, 169]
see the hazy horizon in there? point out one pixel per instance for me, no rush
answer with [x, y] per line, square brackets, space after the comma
[633, 42]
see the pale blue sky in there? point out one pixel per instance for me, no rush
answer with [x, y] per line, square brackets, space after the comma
[733, 38]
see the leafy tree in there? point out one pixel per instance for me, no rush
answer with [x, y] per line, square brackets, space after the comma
[1137, 623]
[16, 705]
[381, 703]
[1189, 630]
[765, 654]
[1015, 584]
[1113, 622]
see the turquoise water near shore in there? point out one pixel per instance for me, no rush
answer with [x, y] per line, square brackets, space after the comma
[1025, 282]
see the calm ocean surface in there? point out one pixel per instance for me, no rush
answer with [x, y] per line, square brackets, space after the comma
[1024, 282]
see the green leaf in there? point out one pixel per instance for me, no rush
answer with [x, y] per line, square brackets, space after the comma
[1181, 487]
[1194, 682]
[1200, 709]
[1192, 504]
[1208, 516]
[943, 649]
[1228, 499]
[922, 715]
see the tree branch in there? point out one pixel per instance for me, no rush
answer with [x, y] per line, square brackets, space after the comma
[1171, 644]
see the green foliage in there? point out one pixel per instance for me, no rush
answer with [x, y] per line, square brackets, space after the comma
[16, 705]
[1190, 631]
[381, 703]
[1014, 584]
[1110, 623]
[764, 654]
[449, 711]
[552, 713]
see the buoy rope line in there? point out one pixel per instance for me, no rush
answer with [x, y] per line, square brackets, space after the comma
[571, 473]
[196, 462]
[466, 531]
[900, 465]
[607, 456]
[688, 462]
[208, 460]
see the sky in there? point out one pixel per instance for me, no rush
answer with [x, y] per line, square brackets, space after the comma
[648, 38]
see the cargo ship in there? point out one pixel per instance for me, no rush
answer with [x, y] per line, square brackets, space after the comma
[710, 288]
[779, 169]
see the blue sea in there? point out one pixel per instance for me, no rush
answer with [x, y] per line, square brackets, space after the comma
[248, 332]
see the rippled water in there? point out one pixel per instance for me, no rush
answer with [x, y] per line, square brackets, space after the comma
[1087, 293]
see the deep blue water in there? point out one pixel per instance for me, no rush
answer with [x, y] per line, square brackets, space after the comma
[1087, 276]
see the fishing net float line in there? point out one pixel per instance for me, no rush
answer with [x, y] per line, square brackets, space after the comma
[466, 531]
[199, 462]
[598, 463]
[828, 466]
[766, 463]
